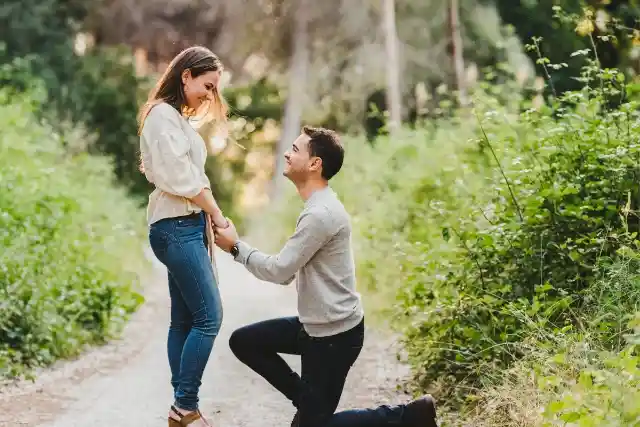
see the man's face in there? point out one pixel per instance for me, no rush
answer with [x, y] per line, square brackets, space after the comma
[298, 162]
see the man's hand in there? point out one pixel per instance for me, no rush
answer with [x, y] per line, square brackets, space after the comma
[226, 237]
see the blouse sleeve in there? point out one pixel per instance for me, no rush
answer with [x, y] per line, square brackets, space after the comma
[168, 146]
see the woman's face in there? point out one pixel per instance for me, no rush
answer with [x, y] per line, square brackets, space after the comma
[199, 90]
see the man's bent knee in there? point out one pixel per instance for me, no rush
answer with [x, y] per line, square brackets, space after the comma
[239, 341]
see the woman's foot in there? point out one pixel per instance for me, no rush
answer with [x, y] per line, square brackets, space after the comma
[188, 418]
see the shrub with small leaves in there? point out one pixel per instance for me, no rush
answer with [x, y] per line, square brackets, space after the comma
[70, 245]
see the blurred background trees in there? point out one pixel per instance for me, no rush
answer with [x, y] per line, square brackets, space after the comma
[338, 63]
[289, 62]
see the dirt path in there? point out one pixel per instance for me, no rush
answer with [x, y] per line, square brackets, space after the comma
[126, 383]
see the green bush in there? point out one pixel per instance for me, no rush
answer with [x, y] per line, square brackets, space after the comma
[70, 244]
[498, 226]
[98, 88]
[593, 388]
[563, 380]
[519, 237]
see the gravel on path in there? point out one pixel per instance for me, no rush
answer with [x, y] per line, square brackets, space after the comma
[126, 382]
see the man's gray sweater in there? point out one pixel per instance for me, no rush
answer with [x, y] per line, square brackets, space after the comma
[319, 256]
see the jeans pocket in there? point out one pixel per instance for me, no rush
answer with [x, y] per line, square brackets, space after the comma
[159, 242]
[189, 231]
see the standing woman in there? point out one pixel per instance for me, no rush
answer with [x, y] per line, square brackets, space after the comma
[180, 214]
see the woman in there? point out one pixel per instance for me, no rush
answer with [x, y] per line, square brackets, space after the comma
[180, 214]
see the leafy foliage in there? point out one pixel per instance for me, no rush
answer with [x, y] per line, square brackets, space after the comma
[502, 232]
[567, 380]
[68, 239]
[506, 239]
[98, 88]
[536, 18]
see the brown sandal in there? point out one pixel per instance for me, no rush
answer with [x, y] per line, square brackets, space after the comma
[185, 420]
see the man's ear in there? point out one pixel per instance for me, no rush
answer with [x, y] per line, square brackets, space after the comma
[316, 164]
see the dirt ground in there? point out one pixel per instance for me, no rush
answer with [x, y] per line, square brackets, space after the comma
[126, 383]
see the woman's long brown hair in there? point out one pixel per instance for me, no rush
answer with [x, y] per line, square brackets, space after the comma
[169, 88]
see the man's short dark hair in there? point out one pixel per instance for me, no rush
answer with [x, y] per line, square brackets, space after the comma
[325, 143]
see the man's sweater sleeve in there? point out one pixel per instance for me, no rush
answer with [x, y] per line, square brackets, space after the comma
[314, 229]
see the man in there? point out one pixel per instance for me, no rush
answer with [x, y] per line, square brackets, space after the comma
[328, 332]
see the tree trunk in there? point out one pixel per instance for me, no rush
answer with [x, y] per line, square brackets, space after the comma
[394, 102]
[298, 69]
[456, 49]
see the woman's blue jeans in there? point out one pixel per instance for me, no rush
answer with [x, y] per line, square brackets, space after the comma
[196, 309]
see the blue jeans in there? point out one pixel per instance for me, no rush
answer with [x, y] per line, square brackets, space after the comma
[196, 309]
[326, 363]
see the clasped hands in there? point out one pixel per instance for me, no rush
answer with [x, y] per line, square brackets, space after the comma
[226, 237]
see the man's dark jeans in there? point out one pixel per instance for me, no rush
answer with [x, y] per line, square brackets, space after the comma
[326, 361]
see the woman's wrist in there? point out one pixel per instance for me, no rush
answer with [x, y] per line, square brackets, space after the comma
[219, 220]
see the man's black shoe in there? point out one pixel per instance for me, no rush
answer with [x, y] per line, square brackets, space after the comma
[420, 412]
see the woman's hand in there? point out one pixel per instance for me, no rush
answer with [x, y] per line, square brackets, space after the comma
[206, 201]
[225, 239]
[219, 221]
